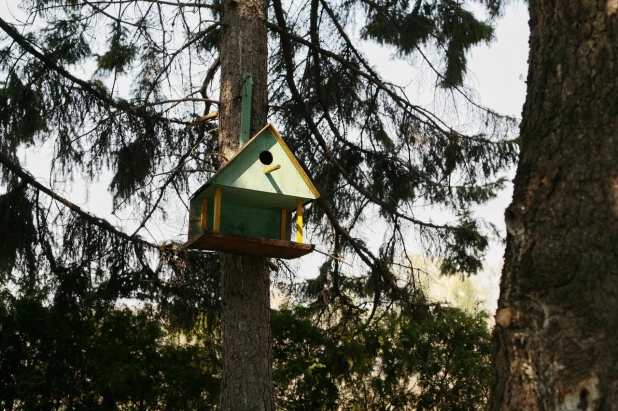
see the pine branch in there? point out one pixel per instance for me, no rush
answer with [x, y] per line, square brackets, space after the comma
[376, 265]
[168, 181]
[198, 170]
[431, 120]
[165, 3]
[289, 68]
[188, 44]
[314, 35]
[116, 19]
[458, 89]
[363, 252]
[161, 102]
[418, 49]
[50, 63]
[86, 86]
[92, 219]
[210, 75]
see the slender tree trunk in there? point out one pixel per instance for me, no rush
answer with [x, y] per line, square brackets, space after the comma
[556, 339]
[245, 293]
[247, 357]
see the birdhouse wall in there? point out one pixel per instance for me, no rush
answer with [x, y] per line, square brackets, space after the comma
[253, 222]
[240, 219]
[246, 171]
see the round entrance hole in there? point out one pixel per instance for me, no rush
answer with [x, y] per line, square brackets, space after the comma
[266, 157]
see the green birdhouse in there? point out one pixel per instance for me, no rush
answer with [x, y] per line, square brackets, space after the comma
[247, 206]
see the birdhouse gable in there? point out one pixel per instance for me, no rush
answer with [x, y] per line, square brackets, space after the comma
[266, 164]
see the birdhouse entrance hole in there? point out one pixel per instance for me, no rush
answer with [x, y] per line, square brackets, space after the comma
[266, 158]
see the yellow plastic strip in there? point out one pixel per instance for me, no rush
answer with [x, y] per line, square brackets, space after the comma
[204, 215]
[283, 224]
[274, 167]
[299, 221]
[217, 218]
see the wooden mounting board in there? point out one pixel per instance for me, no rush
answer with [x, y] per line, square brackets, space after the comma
[232, 243]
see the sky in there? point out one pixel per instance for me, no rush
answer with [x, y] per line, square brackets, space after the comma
[500, 70]
[497, 72]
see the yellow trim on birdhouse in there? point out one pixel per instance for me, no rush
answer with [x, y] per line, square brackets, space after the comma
[299, 221]
[217, 211]
[204, 214]
[293, 159]
[283, 224]
[269, 169]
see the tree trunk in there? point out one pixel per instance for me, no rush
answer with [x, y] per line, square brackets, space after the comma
[556, 338]
[247, 356]
[245, 292]
[244, 48]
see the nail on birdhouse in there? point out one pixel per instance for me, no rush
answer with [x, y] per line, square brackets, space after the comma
[248, 205]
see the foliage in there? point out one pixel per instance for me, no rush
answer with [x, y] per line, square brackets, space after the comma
[362, 139]
[410, 356]
[59, 358]
[447, 23]
[55, 357]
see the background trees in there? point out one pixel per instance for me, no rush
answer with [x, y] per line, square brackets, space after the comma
[117, 87]
[56, 359]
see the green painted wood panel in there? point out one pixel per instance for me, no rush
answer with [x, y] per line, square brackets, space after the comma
[247, 171]
[253, 198]
[245, 117]
[253, 222]
[238, 218]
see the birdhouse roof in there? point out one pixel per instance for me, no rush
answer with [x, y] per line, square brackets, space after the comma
[246, 170]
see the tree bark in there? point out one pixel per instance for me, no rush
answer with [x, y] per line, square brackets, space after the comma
[556, 335]
[245, 284]
[247, 354]
[244, 48]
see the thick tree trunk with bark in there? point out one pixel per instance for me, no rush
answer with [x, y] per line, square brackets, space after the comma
[245, 293]
[556, 338]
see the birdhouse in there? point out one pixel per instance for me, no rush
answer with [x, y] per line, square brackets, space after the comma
[247, 206]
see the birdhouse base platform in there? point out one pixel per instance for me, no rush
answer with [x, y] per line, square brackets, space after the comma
[232, 243]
